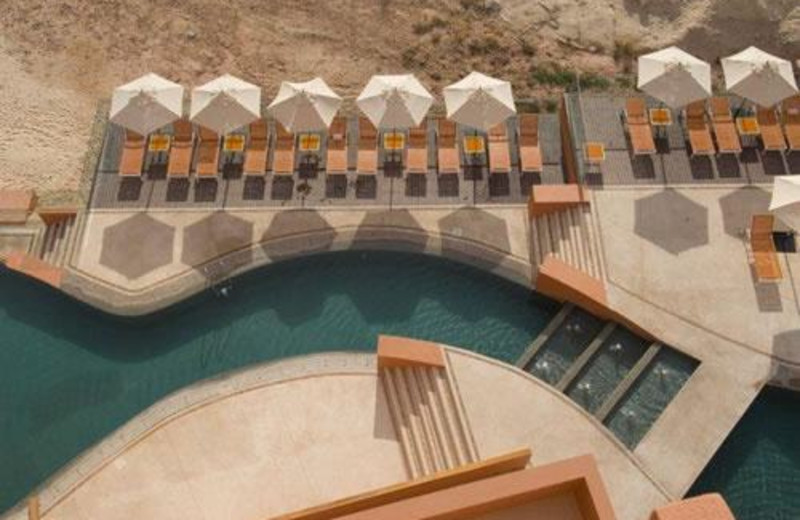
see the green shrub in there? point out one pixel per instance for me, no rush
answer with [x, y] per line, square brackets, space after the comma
[594, 81]
[551, 74]
[550, 105]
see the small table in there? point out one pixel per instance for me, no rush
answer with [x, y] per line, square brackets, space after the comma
[394, 141]
[660, 118]
[748, 128]
[309, 142]
[594, 153]
[233, 143]
[474, 145]
[159, 146]
[159, 143]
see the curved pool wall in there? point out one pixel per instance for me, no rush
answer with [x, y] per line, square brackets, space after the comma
[757, 468]
[70, 375]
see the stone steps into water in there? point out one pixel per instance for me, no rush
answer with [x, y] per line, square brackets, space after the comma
[428, 416]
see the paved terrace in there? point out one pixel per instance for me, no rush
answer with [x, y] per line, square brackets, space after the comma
[274, 438]
[599, 118]
[132, 262]
[233, 190]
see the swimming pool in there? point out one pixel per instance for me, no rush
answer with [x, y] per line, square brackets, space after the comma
[757, 469]
[69, 375]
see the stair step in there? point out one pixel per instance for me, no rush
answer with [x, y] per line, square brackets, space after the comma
[415, 422]
[441, 428]
[430, 440]
[401, 426]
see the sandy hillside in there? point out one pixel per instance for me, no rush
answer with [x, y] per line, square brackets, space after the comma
[58, 58]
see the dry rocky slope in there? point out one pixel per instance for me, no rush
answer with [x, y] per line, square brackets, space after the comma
[58, 58]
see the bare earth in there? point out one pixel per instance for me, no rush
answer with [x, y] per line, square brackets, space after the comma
[59, 58]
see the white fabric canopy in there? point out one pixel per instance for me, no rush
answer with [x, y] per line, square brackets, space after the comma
[759, 76]
[305, 107]
[785, 202]
[225, 104]
[394, 101]
[146, 104]
[479, 101]
[674, 76]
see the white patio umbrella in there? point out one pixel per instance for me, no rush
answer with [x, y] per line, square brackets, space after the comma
[305, 107]
[785, 202]
[394, 101]
[225, 104]
[674, 76]
[146, 104]
[759, 76]
[479, 101]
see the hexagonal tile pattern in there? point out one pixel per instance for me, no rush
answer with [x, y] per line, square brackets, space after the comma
[137, 245]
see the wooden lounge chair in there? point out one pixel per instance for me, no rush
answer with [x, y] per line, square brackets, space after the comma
[724, 126]
[132, 159]
[791, 122]
[530, 154]
[771, 132]
[499, 156]
[180, 154]
[367, 147]
[417, 161]
[765, 257]
[283, 161]
[697, 127]
[255, 157]
[207, 154]
[336, 161]
[638, 125]
[449, 161]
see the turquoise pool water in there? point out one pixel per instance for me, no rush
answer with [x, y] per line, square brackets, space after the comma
[69, 375]
[757, 468]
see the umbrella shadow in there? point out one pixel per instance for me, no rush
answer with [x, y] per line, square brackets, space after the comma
[295, 233]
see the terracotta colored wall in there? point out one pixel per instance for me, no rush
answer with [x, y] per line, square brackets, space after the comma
[394, 351]
[704, 507]
[550, 198]
[565, 283]
[578, 475]
[567, 151]
[514, 461]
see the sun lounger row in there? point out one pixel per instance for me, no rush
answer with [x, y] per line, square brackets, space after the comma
[711, 128]
[208, 145]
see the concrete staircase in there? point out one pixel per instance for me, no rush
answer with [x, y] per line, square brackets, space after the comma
[56, 242]
[429, 418]
[570, 236]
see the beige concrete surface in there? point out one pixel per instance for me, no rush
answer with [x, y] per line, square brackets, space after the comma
[684, 251]
[132, 282]
[303, 431]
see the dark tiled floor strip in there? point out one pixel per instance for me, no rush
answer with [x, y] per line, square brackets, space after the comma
[387, 188]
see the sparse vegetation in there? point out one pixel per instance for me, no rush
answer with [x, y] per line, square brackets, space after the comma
[483, 46]
[481, 7]
[428, 25]
[527, 48]
[553, 75]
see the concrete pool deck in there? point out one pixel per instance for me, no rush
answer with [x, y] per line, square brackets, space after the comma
[274, 438]
[139, 262]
